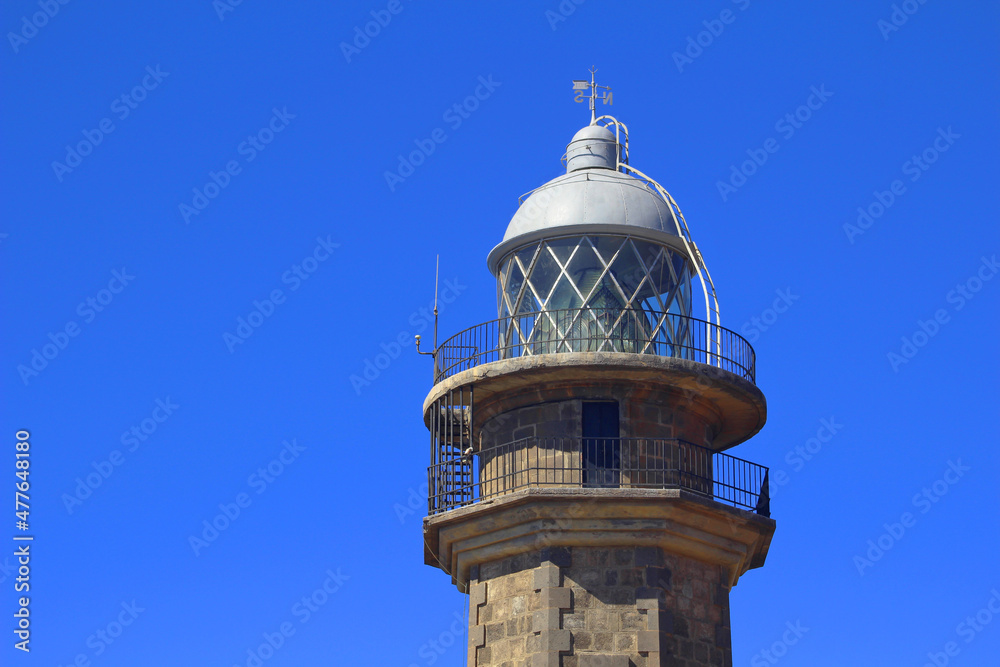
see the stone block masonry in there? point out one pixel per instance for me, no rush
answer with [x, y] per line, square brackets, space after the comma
[598, 607]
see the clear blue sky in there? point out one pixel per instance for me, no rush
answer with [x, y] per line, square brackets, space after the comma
[299, 133]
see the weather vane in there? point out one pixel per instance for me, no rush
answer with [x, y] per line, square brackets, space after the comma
[581, 85]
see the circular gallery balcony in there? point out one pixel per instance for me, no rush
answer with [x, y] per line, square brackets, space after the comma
[597, 463]
[621, 330]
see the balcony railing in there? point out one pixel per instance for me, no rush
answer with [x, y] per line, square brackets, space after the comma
[607, 463]
[629, 330]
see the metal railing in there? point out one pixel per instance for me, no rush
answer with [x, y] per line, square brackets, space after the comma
[618, 463]
[630, 330]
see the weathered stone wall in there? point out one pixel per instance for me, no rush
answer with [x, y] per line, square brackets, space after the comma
[598, 607]
[644, 413]
[652, 414]
[555, 419]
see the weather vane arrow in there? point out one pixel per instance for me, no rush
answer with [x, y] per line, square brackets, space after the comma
[581, 85]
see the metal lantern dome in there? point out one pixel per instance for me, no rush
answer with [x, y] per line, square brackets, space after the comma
[601, 258]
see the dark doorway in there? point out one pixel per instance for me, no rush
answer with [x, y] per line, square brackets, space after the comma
[601, 445]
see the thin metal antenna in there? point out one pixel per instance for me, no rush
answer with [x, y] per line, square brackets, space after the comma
[593, 95]
[437, 273]
[433, 352]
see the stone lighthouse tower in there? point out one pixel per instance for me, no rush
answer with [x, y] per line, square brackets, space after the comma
[578, 487]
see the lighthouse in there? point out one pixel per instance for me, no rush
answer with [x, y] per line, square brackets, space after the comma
[581, 486]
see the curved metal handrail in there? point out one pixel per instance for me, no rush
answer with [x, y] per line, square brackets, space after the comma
[628, 330]
[599, 463]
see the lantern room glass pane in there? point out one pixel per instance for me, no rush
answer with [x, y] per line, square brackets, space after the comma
[564, 296]
[563, 248]
[607, 246]
[514, 286]
[502, 305]
[544, 275]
